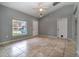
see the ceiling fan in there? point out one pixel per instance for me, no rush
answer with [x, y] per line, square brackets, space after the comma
[75, 10]
[41, 9]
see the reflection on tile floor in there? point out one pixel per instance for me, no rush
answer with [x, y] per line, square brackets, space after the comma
[39, 47]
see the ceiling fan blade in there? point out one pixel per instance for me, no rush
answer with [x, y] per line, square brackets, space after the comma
[55, 3]
[75, 10]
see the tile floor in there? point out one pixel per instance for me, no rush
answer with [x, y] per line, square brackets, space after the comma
[39, 47]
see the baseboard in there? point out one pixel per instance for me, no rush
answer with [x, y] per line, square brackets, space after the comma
[50, 36]
[15, 40]
[47, 36]
[28, 37]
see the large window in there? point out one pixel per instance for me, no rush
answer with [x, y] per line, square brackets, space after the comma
[19, 27]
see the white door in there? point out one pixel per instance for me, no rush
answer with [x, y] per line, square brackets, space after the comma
[62, 27]
[35, 27]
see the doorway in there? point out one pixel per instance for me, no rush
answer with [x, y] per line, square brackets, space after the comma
[62, 27]
[35, 27]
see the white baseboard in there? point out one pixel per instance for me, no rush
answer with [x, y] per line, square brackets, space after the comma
[14, 40]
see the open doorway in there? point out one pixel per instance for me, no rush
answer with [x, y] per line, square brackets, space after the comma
[62, 27]
[35, 27]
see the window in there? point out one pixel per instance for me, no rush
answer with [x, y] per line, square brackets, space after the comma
[19, 27]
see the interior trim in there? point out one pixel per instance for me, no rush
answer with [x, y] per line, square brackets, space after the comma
[15, 40]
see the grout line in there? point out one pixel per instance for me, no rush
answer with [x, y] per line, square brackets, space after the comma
[63, 53]
[19, 55]
[65, 44]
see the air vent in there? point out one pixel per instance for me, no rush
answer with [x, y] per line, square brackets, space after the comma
[55, 3]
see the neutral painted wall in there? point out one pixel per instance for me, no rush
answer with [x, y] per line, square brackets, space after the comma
[71, 27]
[0, 25]
[77, 45]
[77, 42]
[48, 24]
[6, 16]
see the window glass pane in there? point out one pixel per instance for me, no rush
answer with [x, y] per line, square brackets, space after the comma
[19, 27]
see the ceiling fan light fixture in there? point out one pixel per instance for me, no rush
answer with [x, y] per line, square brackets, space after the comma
[41, 14]
[41, 9]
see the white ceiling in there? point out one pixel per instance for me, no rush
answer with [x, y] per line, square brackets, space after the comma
[29, 7]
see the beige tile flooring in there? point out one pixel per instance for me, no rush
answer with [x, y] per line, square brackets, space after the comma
[39, 47]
